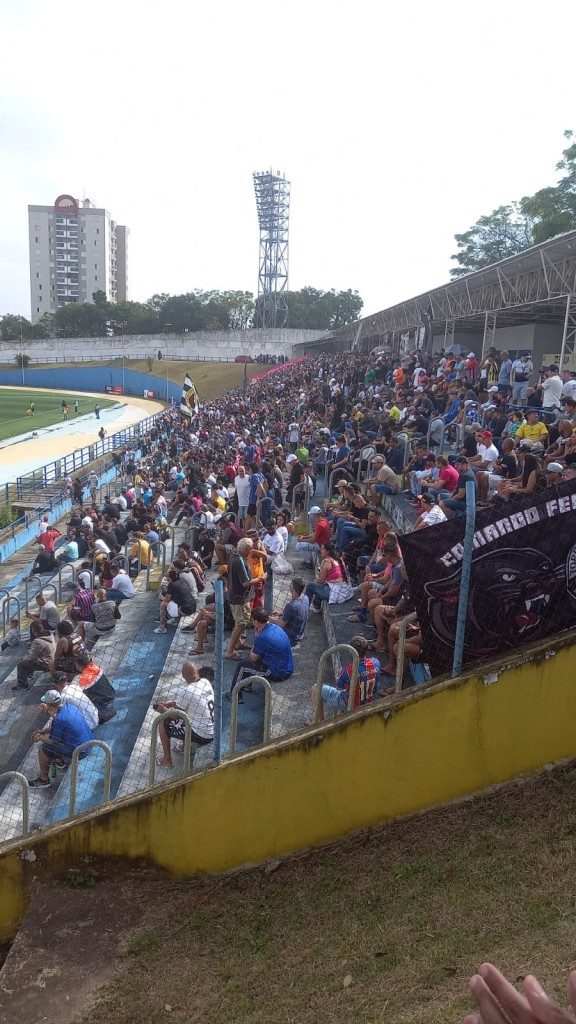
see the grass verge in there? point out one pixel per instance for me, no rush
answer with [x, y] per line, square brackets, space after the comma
[383, 928]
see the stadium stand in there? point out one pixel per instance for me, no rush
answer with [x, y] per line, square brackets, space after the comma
[344, 452]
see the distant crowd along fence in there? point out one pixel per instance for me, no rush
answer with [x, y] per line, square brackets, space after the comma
[129, 354]
[40, 480]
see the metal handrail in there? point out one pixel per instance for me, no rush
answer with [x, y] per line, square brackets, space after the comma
[151, 563]
[61, 568]
[300, 488]
[401, 646]
[53, 588]
[6, 610]
[171, 713]
[74, 773]
[27, 583]
[368, 459]
[172, 533]
[240, 685]
[331, 652]
[24, 785]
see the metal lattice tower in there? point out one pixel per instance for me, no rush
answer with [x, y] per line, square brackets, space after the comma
[273, 205]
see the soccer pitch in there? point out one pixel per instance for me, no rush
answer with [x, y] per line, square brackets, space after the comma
[16, 405]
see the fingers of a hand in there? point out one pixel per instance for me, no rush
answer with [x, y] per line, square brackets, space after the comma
[515, 1004]
[545, 1009]
[490, 1012]
[572, 989]
[471, 1018]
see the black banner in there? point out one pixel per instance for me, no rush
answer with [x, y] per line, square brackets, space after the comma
[523, 579]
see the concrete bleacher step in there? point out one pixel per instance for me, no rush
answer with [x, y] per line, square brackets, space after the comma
[47, 805]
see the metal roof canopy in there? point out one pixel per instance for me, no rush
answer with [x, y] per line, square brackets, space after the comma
[537, 285]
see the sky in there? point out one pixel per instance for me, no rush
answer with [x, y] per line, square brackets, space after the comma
[398, 125]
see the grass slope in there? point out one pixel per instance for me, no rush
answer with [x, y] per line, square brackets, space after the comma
[384, 928]
[211, 379]
[14, 418]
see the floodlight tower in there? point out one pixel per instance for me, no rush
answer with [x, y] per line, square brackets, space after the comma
[273, 205]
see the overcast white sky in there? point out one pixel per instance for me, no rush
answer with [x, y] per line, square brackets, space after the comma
[397, 124]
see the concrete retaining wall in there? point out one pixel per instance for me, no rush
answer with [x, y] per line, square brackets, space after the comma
[194, 346]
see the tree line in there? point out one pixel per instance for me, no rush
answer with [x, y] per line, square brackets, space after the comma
[528, 221]
[194, 311]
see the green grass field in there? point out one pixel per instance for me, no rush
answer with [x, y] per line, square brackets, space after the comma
[15, 417]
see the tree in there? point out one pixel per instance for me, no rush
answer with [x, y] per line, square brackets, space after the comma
[13, 327]
[312, 309]
[80, 320]
[99, 299]
[44, 328]
[131, 318]
[553, 209]
[510, 229]
[504, 232]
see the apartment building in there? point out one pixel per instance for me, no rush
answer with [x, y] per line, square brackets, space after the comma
[76, 249]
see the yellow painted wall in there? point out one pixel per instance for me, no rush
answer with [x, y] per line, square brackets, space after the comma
[451, 740]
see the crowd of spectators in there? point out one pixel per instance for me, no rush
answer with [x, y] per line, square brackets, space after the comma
[238, 470]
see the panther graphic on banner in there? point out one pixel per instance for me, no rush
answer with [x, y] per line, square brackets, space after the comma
[522, 579]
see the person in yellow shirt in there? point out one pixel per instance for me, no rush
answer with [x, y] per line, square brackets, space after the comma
[217, 500]
[140, 552]
[394, 413]
[533, 429]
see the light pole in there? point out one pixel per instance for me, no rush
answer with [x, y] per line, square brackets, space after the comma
[21, 351]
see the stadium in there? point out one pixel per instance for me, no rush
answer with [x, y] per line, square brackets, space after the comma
[398, 697]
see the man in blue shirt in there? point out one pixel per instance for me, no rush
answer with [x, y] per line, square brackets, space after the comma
[67, 730]
[271, 654]
[257, 491]
[294, 618]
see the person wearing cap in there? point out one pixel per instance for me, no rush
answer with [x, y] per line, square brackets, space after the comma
[552, 385]
[431, 513]
[455, 505]
[487, 456]
[67, 730]
[336, 695]
[554, 471]
[312, 542]
[533, 429]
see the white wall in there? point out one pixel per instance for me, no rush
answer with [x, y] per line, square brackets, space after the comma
[194, 346]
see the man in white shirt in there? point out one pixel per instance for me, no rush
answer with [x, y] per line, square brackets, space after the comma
[74, 694]
[242, 485]
[488, 454]
[568, 384]
[196, 699]
[551, 388]
[432, 514]
[272, 540]
[122, 587]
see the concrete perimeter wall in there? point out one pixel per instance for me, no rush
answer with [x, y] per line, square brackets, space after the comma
[441, 743]
[193, 346]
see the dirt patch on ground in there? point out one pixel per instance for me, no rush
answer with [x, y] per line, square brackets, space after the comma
[69, 944]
